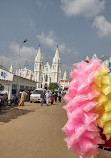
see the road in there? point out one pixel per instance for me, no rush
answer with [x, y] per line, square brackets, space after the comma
[36, 134]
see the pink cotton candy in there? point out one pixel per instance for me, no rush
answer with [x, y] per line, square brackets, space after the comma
[88, 105]
[81, 127]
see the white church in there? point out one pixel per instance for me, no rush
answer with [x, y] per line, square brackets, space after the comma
[44, 74]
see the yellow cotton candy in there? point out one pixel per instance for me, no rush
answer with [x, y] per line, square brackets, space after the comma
[109, 96]
[106, 80]
[106, 89]
[104, 70]
[108, 136]
[100, 122]
[95, 87]
[109, 75]
[102, 99]
[100, 108]
[107, 127]
[103, 85]
[97, 80]
[106, 116]
[107, 106]
[100, 111]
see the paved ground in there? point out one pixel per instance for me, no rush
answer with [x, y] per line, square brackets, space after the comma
[33, 131]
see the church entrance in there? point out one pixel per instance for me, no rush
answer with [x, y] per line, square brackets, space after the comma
[45, 86]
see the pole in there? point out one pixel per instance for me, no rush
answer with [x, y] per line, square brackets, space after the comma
[19, 53]
[19, 63]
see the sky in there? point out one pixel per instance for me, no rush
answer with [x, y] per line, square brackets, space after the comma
[80, 28]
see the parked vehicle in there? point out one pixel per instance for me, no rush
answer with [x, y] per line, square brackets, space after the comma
[14, 100]
[35, 96]
[3, 100]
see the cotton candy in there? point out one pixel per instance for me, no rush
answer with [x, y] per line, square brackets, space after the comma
[104, 100]
[82, 100]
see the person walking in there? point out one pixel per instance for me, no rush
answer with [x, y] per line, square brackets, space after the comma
[47, 97]
[42, 98]
[28, 96]
[56, 95]
[22, 99]
[60, 95]
[51, 98]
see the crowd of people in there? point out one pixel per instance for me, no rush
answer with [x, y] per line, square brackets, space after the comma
[45, 97]
[51, 97]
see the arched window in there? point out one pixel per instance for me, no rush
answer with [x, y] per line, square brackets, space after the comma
[46, 78]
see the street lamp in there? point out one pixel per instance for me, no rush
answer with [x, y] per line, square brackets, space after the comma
[25, 40]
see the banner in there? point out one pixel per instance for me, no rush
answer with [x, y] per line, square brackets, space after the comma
[6, 75]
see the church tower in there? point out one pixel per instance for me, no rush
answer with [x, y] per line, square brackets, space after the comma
[65, 76]
[11, 69]
[56, 72]
[38, 68]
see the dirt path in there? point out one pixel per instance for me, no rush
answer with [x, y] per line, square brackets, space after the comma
[36, 134]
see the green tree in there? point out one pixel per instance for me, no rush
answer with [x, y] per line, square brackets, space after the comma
[53, 86]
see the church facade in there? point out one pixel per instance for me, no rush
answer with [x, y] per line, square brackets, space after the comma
[43, 74]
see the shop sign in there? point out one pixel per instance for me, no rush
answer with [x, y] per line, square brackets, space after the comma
[6, 75]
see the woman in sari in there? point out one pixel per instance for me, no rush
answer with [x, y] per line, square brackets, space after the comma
[22, 99]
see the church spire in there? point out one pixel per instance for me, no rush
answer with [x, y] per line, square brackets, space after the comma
[57, 53]
[65, 76]
[56, 58]
[11, 68]
[39, 52]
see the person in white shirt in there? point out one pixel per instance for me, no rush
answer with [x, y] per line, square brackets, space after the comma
[47, 97]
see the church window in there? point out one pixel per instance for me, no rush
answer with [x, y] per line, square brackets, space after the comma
[46, 78]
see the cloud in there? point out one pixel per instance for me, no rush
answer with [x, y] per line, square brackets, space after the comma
[23, 50]
[26, 54]
[50, 41]
[87, 8]
[5, 61]
[102, 25]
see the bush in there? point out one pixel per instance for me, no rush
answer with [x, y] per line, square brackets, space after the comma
[53, 86]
